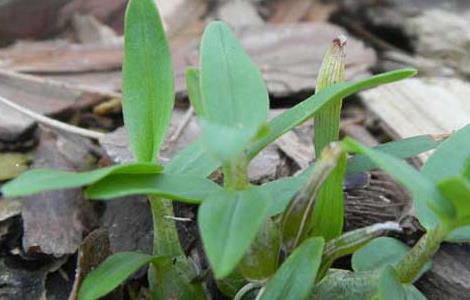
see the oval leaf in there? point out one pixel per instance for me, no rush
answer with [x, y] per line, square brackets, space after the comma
[295, 278]
[40, 180]
[148, 83]
[111, 273]
[228, 222]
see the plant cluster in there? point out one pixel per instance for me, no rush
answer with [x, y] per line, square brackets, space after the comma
[272, 241]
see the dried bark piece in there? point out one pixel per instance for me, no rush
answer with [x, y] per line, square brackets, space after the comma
[54, 221]
[94, 249]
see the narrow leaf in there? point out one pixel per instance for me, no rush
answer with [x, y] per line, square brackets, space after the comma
[40, 180]
[111, 273]
[326, 123]
[295, 278]
[188, 189]
[194, 90]
[296, 221]
[228, 222]
[427, 197]
[309, 107]
[148, 84]
[450, 157]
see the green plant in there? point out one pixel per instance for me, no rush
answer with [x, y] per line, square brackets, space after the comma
[272, 237]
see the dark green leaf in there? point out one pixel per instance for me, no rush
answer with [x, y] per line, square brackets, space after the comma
[389, 287]
[309, 107]
[171, 278]
[228, 222]
[111, 273]
[231, 284]
[457, 191]
[189, 189]
[295, 278]
[194, 90]
[148, 83]
[260, 261]
[233, 91]
[425, 193]
[296, 220]
[40, 180]
[450, 157]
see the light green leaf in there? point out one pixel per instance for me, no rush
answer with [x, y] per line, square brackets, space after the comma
[233, 91]
[378, 253]
[295, 279]
[450, 157]
[40, 180]
[457, 191]
[346, 285]
[193, 161]
[188, 189]
[111, 273]
[197, 161]
[148, 81]
[172, 278]
[389, 287]
[403, 148]
[310, 106]
[228, 223]
[425, 193]
[194, 90]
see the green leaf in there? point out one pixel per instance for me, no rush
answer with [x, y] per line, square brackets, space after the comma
[261, 259]
[40, 180]
[378, 253]
[193, 161]
[309, 107]
[330, 202]
[466, 171]
[457, 191]
[233, 91]
[228, 223]
[188, 189]
[403, 148]
[194, 90]
[296, 220]
[111, 273]
[172, 278]
[295, 278]
[450, 157]
[148, 81]
[389, 287]
[427, 197]
[346, 285]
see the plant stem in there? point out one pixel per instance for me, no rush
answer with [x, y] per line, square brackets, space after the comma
[236, 174]
[165, 237]
[410, 265]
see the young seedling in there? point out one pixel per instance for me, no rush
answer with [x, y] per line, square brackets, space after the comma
[238, 222]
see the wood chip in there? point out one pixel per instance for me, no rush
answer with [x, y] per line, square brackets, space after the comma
[421, 105]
